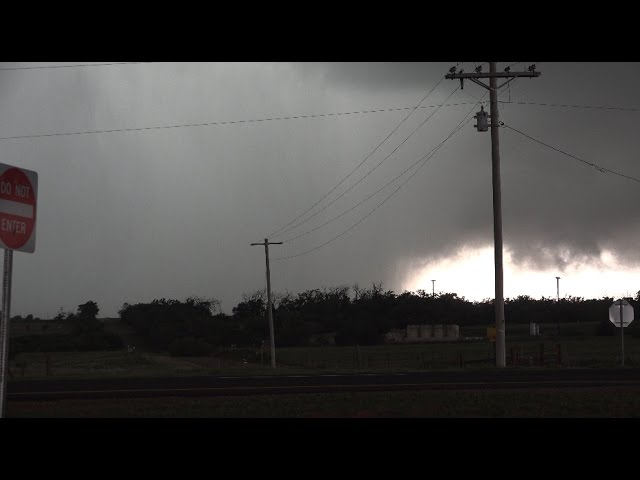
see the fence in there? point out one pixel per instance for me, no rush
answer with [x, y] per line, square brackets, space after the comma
[519, 357]
[357, 358]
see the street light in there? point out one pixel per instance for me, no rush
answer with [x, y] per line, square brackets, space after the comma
[433, 287]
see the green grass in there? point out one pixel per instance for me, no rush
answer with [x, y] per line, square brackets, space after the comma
[118, 364]
[613, 402]
[575, 351]
[578, 350]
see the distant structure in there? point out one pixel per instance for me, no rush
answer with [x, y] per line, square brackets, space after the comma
[323, 339]
[423, 333]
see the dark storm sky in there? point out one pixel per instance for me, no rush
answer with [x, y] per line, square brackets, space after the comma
[132, 216]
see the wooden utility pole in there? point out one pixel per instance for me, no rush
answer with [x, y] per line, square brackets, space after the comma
[269, 312]
[493, 75]
[558, 304]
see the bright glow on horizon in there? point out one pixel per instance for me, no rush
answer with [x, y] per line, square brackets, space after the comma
[470, 274]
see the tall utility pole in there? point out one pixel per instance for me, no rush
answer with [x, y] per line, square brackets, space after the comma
[558, 301]
[493, 75]
[269, 312]
[433, 288]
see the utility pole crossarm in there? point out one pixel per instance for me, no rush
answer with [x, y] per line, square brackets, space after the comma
[475, 76]
[451, 76]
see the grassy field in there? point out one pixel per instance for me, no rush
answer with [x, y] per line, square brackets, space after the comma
[586, 403]
[578, 348]
[579, 352]
[573, 352]
[124, 364]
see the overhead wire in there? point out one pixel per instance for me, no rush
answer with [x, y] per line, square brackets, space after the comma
[429, 155]
[298, 117]
[361, 202]
[429, 92]
[37, 67]
[591, 164]
[423, 160]
[293, 227]
[566, 105]
[227, 122]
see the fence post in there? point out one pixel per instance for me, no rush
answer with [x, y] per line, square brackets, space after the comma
[460, 359]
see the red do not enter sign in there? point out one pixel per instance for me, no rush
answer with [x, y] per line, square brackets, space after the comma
[18, 202]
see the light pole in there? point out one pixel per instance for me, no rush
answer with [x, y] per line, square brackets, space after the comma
[433, 288]
[558, 301]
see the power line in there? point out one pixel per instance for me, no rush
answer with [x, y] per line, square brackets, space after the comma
[426, 158]
[372, 211]
[597, 167]
[597, 107]
[366, 198]
[479, 101]
[363, 161]
[366, 175]
[299, 117]
[229, 122]
[70, 66]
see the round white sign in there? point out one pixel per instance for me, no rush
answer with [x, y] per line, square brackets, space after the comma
[627, 313]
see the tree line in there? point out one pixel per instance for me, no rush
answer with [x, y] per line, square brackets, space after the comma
[350, 314]
[80, 331]
[357, 316]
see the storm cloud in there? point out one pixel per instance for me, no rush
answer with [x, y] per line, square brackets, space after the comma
[132, 216]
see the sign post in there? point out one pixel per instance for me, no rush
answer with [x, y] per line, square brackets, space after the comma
[621, 315]
[18, 201]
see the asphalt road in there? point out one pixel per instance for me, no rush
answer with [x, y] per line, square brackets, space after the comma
[296, 384]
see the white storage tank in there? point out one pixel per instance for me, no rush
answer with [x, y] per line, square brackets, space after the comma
[413, 332]
[438, 331]
[426, 331]
[453, 331]
[534, 329]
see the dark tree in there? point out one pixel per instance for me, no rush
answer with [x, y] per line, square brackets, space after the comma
[88, 311]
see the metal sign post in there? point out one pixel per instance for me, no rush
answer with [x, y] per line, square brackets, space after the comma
[4, 327]
[621, 314]
[18, 212]
[622, 332]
